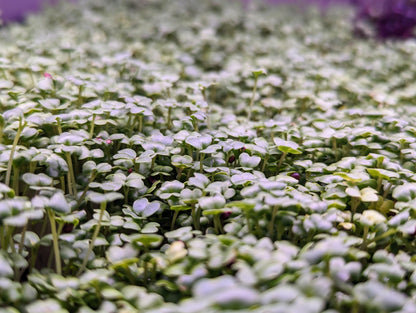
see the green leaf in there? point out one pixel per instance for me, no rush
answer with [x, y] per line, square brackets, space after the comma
[237, 297]
[353, 191]
[37, 179]
[144, 208]
[96, 197]
[172, 187]
[6, 190]
[182, 233]
[6, 269]
[199, 180]
[16, 221]
[249, 161]
[368, 194]
[182, 161]
[125, 153]
[89, 166]
[408, 228]
[215, 211]
[150, 228]
[199, 142]
[103, 168]
[244, 205]
[405, 192]
[259, 72]
[45, 306]
[372, 217]
[147, 240]
[242, 179]
[351, 177]
[135, 180]
[59, 204]
[382, 173]
[180, 207]
[376, 295]
[176, 251]
[31, 239]
[287, 146]
[214, 202]
[121, 255]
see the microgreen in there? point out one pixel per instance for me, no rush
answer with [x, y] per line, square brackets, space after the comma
[150, 167]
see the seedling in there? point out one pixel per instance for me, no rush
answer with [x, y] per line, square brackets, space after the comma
[256, 74]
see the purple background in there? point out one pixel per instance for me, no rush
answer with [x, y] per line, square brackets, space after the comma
[319, 2]
[15, 10]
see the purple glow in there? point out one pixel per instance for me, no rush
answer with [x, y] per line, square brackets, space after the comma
[16, 10]
[391, 18]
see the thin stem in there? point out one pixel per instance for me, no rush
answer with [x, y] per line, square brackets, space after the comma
[32, 79]
[126, 190]
[188, 173]
[93, 175]
[71, 177]
[201, 165]
[10, 243]
[129, 126]
[33, 257]
[103, 206]
[80, 90]
[335, 148]
[15, 141]
[248, 223]
[146, 272]
[58, 125]
[22, 239]
[140, 123]
[355, 308]
[387, 190]
[280, 231]
[252, 99]
[1, 133]
[282, 158]
[68, 177]
[379, 184]
[92, 126]
[263, 167]
[175, 216]
[169, 121]
[195, 125]
[204, 95]
[16, 173]
[60, 227]
[51, 216]
[272, 221]
[355, 202]
[218, 225]
[2, 237]
[62, 179]
[153, 163]
[196, 216]
[383, 235]
[180, 170]
[365, 235]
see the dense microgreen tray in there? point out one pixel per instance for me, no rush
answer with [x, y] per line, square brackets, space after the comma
[196, 156]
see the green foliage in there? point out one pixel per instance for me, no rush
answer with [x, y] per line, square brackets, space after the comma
[191, 156]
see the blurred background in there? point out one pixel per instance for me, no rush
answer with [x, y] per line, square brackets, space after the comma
[388, 18]
[16, 10]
